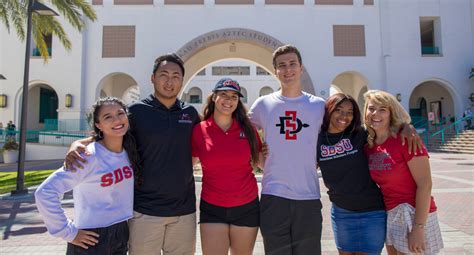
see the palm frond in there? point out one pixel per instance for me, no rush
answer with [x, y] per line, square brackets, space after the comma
[51, 25]
[4, 14]
[70, 12]
[13, 14]
[48, 25]
[38, 37]
[18, 17]
[87, 9]
[74, 10]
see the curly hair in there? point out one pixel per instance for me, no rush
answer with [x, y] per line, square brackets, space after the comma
[129, 143]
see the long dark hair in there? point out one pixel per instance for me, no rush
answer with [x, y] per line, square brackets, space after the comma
[335, 101]
[240, 114]
[129, 143]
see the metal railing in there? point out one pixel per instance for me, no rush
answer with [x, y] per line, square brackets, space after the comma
[44, 137]
[456, 126]
[421, 125]
[419, 122]
[430, 130]
[66, 125]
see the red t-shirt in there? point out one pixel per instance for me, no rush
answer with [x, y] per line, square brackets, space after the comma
[227, 179]
[389, 169]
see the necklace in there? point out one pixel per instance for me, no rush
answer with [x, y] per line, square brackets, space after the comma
[329, 143]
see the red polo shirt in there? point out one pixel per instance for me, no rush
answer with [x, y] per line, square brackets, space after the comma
[227, 179]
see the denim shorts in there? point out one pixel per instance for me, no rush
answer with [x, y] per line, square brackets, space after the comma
[359, 231]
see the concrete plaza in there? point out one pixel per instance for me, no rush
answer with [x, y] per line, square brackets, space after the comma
[23, 232]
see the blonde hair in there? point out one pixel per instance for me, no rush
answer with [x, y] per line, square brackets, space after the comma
[398, 115]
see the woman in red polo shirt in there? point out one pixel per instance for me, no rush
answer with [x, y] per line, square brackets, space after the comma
[228, 146]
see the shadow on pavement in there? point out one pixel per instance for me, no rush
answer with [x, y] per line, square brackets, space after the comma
[27, 231]
[22, 211]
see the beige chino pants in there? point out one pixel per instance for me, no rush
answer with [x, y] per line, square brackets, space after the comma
[153, 235]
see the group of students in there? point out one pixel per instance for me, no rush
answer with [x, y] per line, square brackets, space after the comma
[136, 193]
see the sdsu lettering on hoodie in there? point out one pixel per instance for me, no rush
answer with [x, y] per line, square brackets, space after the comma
[103, 193]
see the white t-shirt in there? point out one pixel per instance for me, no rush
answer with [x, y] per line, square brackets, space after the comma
[103, 193]
[291, 127]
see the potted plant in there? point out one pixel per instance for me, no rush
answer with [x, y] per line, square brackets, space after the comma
[10, 151]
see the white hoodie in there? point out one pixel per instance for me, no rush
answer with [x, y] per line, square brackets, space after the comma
[103, 193]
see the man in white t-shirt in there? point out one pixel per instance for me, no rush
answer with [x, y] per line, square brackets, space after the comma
[290, 210]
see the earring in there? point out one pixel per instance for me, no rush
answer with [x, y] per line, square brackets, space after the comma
[100, 134]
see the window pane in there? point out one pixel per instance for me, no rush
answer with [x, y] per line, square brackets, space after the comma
[202, 72]
[194, 99]
[261, 71]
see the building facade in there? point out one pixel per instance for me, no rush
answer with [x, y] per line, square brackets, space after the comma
[254, 82]
[420, 50]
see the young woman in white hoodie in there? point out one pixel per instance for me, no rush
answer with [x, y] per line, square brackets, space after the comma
[103, 190]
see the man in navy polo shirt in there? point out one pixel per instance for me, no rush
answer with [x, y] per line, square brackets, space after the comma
[164, 216]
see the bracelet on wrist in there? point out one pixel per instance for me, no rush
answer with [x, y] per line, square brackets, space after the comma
[419, 225]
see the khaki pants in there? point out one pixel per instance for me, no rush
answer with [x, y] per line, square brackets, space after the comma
[149, 235]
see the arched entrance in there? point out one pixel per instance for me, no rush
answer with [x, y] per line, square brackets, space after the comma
[232, 43]
[119, 85]
[43, 105]
[351, 83]
[251, 77]
[432, 96]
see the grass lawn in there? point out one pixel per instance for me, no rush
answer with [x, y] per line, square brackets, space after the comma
[8, 180]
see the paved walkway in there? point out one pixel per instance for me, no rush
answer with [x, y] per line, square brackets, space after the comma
[22, 231]
[33, 165]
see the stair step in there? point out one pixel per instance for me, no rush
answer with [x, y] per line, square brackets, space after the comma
[457, 148]
[463, 143]
[453, 151]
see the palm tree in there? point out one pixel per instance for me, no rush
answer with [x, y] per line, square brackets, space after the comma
[13, 14]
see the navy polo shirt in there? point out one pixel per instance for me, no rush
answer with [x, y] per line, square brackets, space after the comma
[163, 139]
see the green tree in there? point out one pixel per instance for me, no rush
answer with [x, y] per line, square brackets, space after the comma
[13, 14]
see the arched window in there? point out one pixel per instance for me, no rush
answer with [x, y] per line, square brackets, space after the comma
[244, 93]
[195, 96]
[265, 91]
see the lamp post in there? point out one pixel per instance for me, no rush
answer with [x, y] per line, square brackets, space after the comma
[43, 10]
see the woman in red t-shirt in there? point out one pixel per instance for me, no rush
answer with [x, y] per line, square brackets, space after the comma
[228, 146]
[404, 179]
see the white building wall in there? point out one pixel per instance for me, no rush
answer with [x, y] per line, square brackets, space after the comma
[393, 58]
[44, 152]
[407, 68]
[62, 72]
